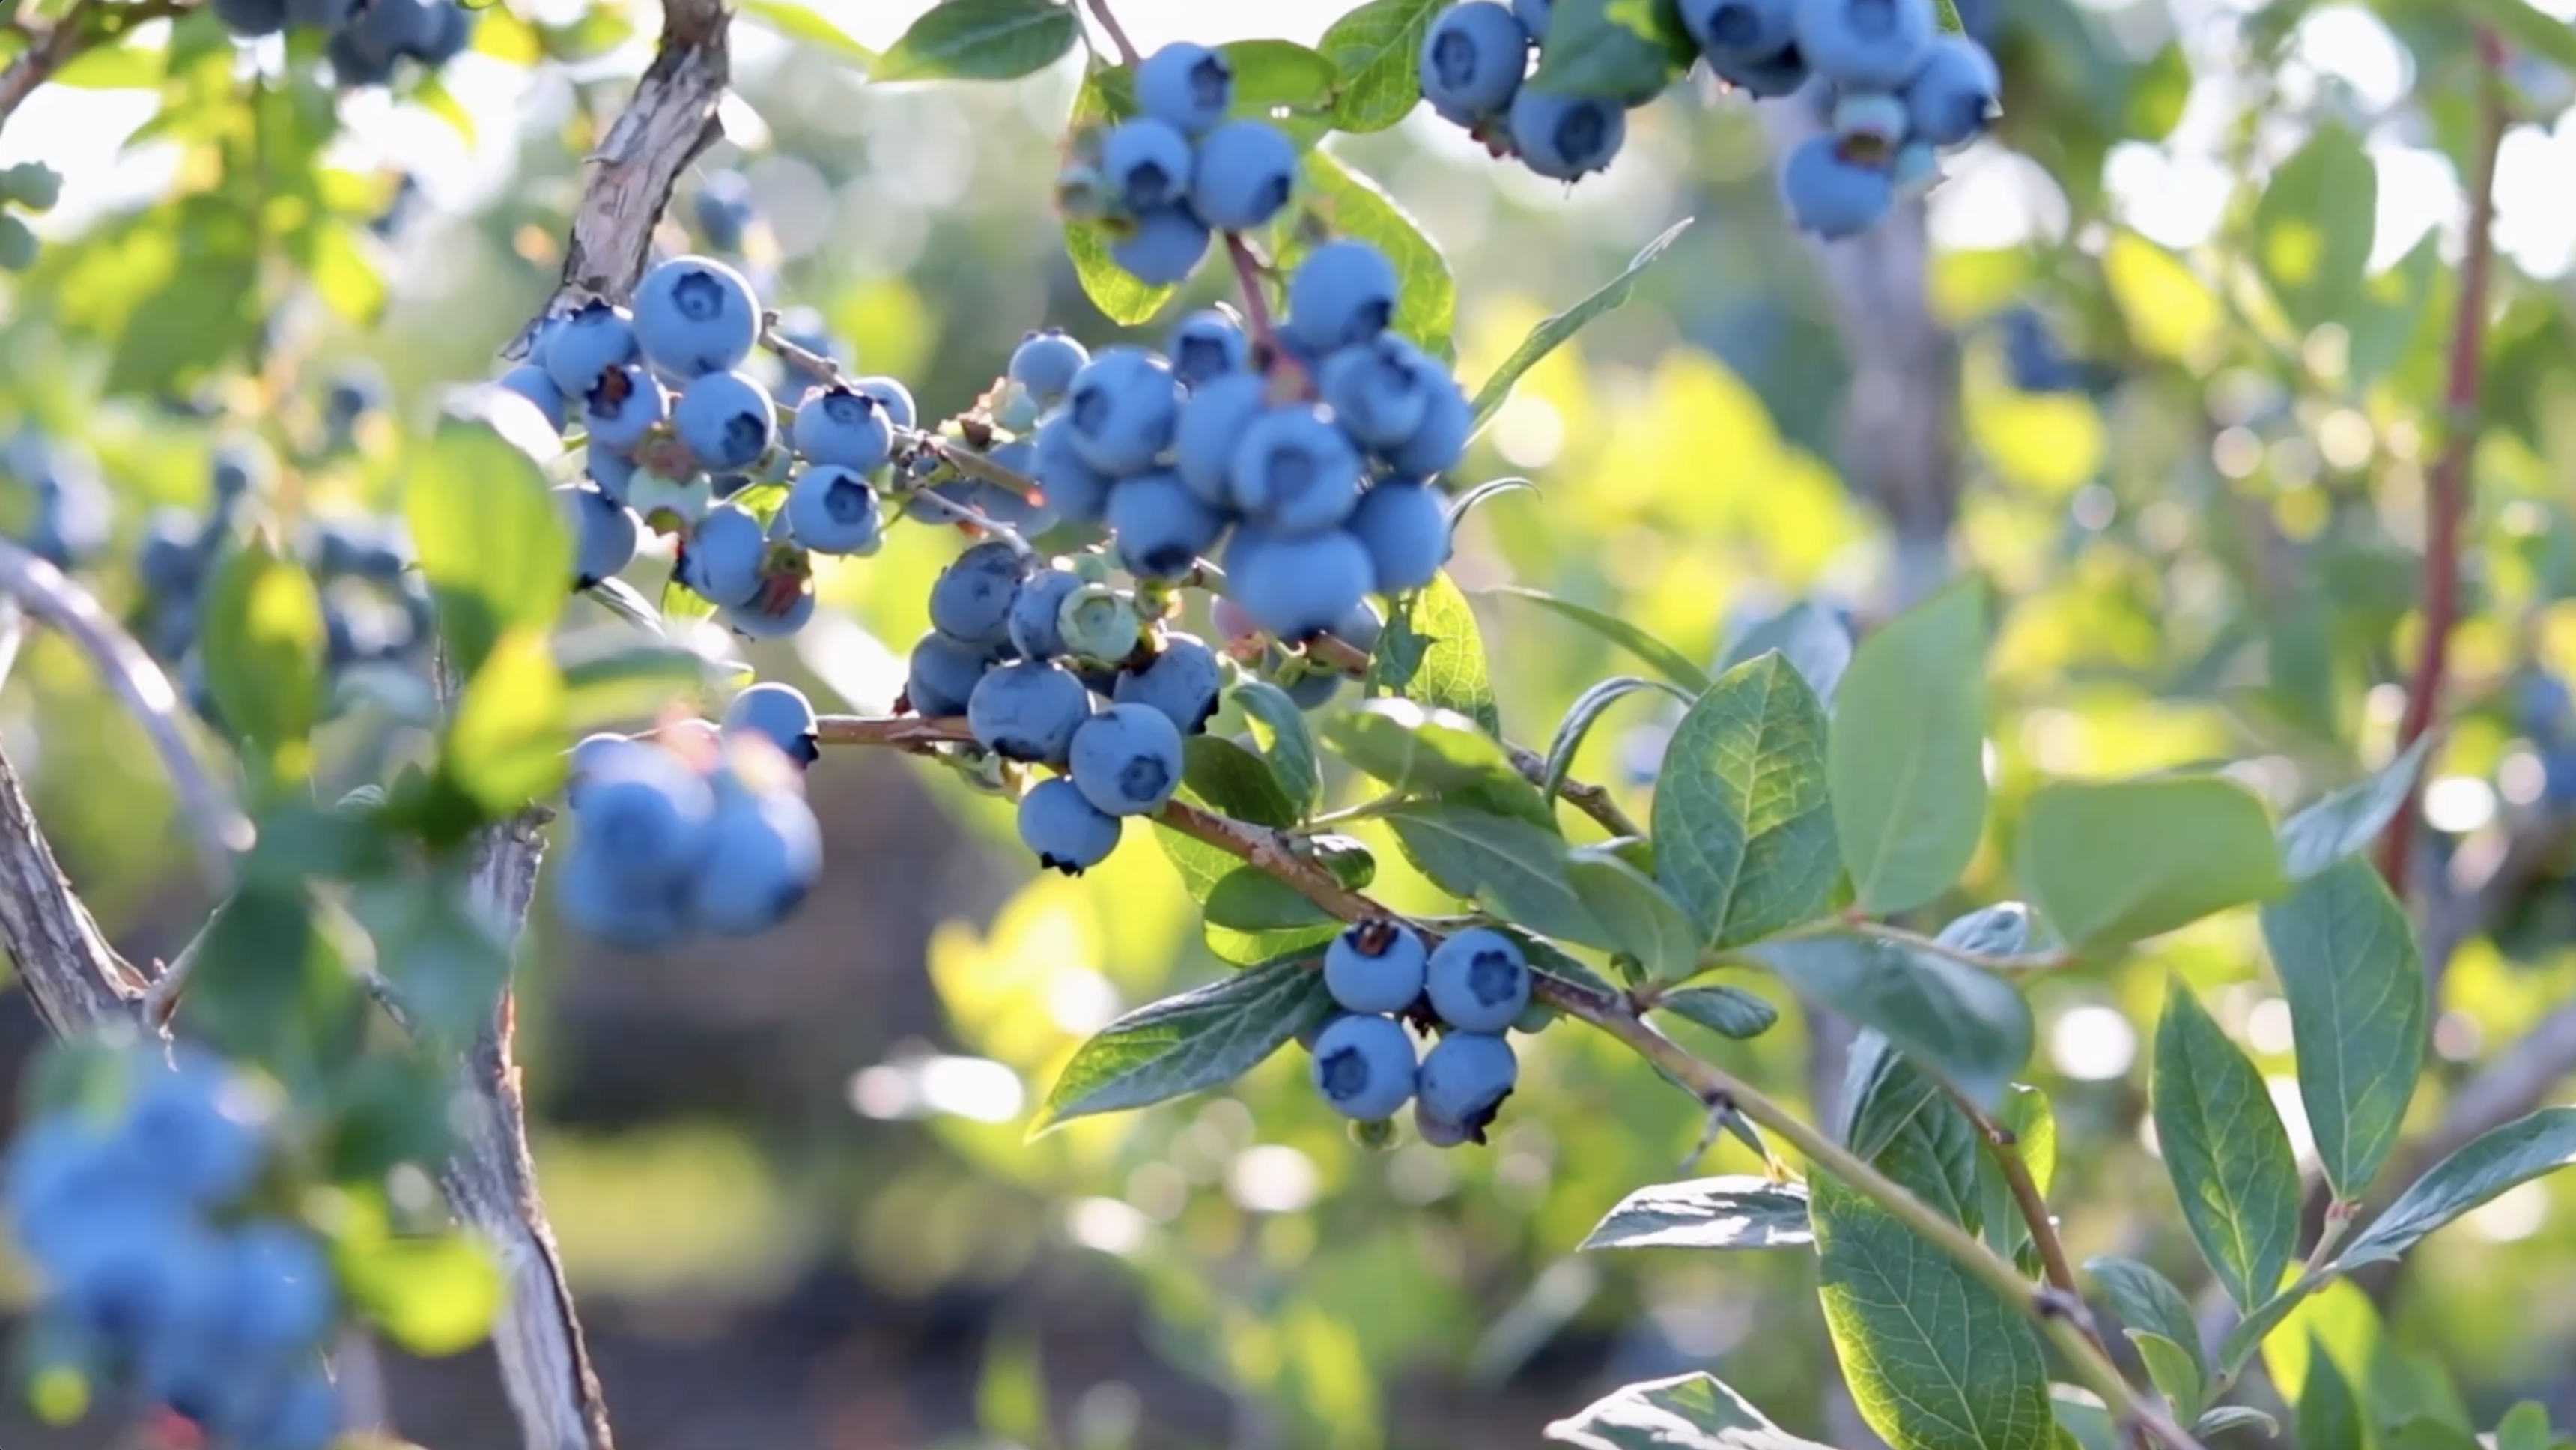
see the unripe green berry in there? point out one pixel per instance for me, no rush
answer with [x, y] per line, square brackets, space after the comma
[1099, 623]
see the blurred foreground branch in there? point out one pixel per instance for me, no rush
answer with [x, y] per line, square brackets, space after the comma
[56, 45]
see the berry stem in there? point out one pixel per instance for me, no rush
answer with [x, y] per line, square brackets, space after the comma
[965, 460]
[2448, 500]
[1256, 308]
[1118, 40]
[2005, 1148]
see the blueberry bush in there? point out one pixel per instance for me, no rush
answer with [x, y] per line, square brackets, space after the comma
[2079, 886]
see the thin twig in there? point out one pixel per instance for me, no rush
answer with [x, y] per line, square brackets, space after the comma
[1256, 307]
[1592, 800]
[1117, 37]
[2004, 1146]
[64, 41]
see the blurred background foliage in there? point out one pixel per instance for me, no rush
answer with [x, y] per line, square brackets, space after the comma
[2201, 282]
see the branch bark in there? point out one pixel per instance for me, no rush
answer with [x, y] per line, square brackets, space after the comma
[62, 42]
[75, 979]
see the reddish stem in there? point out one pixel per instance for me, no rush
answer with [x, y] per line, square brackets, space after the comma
[1117, 37]
[1256, 308]
[2448, 499]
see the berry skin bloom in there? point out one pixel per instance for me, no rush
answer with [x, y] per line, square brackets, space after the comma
[1342, 293]
[1165, 247]
[1028, 710]
[1473, 58]
[1243, 175]
[721, 560]
[1951, 97]
[1465, 1076]
[1126, 760]
[1830, 196]
[1364, 1066]
[971, 600]
[1068, 833]
[1375, 966]
[725, 419]
[1565, 137]
[1121, 410]
[1185, 86]
[1148, 162]
[1161, 526]
[832, 510]
[841, 425]
[1296, 588]
[1739, 31]
[695, 315]
[1873, 45]
[1045, 362]
[1404, 527]
[1479, 980]
[1182, 680]
[943, 674]
[778, 713]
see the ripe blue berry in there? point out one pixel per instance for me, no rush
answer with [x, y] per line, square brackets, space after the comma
[1045, 362]
[894, 395]
[646, 811]
[1375, 966]
[831, 510]
[1148, 163]
[695, 315]
[1379, 391]
[622, 406]
[724, 209]
[766, 617]
[601, 898]
[1204, 346]
[1069, 834]
[1126, 760]
[1873, 122]
[1182, 681]
[610, 469]
[279, 1284]
[722, 557]
[1765, 78]
[587, 757]
[943, 673]
[778, 713]
[604, 532]
[1243, 175]
[1212, 423]
[1830, 196]
[725, 419]
[1364, 1066]
[1078, 491]
[971, 600]
[1122, 408]
[1294, 472]
[1164, 248]
[1465, 1076]
[1404, 528]
[1034, 631]
[1161, 526]
[1295, 588]
[1951, 97]
[1361, 627]
[302, 1414]
[197, 1124]
[1534, 16]
[537, 386]
[1344, 291]
[1479, 980]
[1915, 170]
[765, 854]
[251, 18]
[1865, 44]
[844, 426]
[1473, 58]
[1027, 710]
[1734, 31]
[1565, 137]
[1185, 86]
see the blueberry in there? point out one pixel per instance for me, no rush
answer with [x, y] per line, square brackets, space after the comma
[1243, 175]
[1375, 966]
[197, 1123]
[1870, 122]
[236, 468]
[611, 470]
[778, 713]
[1364, 1066]
[1735, 31]
[319, 14]
[724, 210]
[1565, 137]
[1045, 362]
[841, 425]
[695, 315]
[1952, 95]
[725, 419]
[1473, 58]
[1161, 526]
[1182, 681]
[1294, 472]
[2543, 705]
[1185, 86]
[1027, 710]
[604, 532]
[588, 342]
[1830, 196]
[765, 853]
[943, 673]
[1770, 77]
[302, 1414]
[1164, 248]
[1148, 163]
[170, 565]
[1126, 760]
[1212, 423]
[721, 560]
[1298, 587]
[1344, 291]
[831, 510]
[971, 599]
[537, 386]
[1534, 16]
[450, 30]
[1034, 631]
[763, 618]
[1479, 980]
[646, 812]
[587, 758]
[1465, 1076]
[1206, 345]
[1381, 391]
[601, 898]
[894, 395]
[622, 406]
[251, 17]
[1436, 1132]
[1068, 833]
[378, 32]
[1121, 409]
[1915, 169]
[1865, 44]
[1404, 527]
[1079, 491]
[281, 1291]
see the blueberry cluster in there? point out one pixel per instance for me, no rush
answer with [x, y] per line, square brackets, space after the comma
[1314, 451]
[697, 830]
[1169, 180]
[1469, 990]
[1474, 58]
[367, 37]
[60, 506]
[160, 1276]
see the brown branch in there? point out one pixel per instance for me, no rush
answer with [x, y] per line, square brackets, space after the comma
[75, 978]
[67, 38]
[2004, 1146]
[1117, 37]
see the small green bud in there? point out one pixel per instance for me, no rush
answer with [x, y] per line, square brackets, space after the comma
[1535, 1017]
[1376, 1137]
[1090, 566]
[1099, 623]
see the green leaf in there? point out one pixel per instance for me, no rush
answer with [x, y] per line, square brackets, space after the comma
[1288, 742]
[2175, 1370]
[445, 960]
[2348, 964]
[1935, 1359]
[1354, 206]
[2527, 28]
[2487, 1165]
[114, 68]
[1232, 781]
[343, 271]
[1185, 1044]
[2328, 1417]
[1433, 654]
[1906, 761]
[2526, 1427]
[1378, 50]
[2146, 1301]
[1968, 1026]
[505, 746]
[1695, 1411]
[2312, 228]
[1556, 331]
[621, 599]
[203, 312]
[983, 40]
[1669, 662]
[1644, 922]
[1427, 752]
[1625, 49]
[2117, 861]
[1809, 635]
[2248, 1335]
[1727, 1011]
[1583, 713]
[1897, 1117]
[1270, 74]
[1248, 900]
[270, 986]
[1743, 834]
[2346, 822]
[432, 1296]
[264, 643]
[798, 21]
[2225, 1150]
[1117, 292]
[1734, 1212]
[490, 539]
[2026, 1114]
[616, 677]
[1515, 869]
